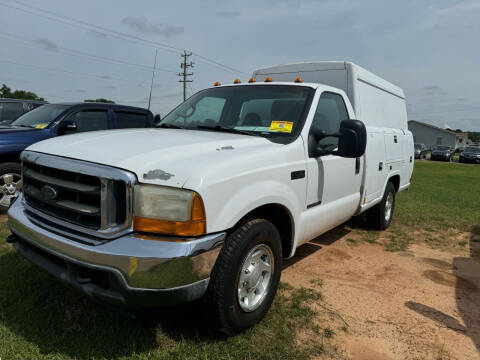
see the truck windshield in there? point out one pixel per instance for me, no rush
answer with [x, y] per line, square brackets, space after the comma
[10, 111]
[40, 117]
[274, 111]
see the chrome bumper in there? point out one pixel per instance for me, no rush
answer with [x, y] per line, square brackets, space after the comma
[133, 270]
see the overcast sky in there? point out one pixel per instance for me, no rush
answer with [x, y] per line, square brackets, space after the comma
[430, 48]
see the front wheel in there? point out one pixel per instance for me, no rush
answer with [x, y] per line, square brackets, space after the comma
[245, 278]
[380, 216]
[10, 184]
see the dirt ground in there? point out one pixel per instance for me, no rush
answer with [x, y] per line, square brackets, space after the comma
[418, 304]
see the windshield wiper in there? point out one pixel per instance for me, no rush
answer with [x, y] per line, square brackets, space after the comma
[226, 129]
[170, 126]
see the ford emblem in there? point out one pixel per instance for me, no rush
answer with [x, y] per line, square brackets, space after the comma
[49, 193]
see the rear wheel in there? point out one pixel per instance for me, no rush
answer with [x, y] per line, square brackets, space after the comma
[245, 278]
[10, 184]
[380, 216]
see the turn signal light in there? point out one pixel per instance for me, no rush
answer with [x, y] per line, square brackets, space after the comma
[217, 83]
[251, 80]
[197, 225]
[299, 80]
[268, 79]
[236, 81]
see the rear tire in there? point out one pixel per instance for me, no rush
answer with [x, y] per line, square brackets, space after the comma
[10, 184]
[380, 216]
[242, 287]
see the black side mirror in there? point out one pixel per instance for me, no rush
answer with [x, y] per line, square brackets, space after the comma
[157, 119]
[67, 126]
[352, 140]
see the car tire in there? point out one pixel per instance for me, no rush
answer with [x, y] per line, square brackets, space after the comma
[10, 184]
[231, 296]
[380, 216]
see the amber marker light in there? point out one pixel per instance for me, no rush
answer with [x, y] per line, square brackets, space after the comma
[299, 80]
[236, 81]
[217, 83]
[251, 80]
[268, 79]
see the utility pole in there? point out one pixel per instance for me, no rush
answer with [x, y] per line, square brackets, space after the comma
[153, 75]
[184, 74]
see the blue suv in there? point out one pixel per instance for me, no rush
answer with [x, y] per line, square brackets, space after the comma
[52, 120]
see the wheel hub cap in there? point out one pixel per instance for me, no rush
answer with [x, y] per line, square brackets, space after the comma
[10, 186]
[255, 277]
[388, 207]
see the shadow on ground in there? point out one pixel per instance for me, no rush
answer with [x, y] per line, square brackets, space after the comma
[464, 275]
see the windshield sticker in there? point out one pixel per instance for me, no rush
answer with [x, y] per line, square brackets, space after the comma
[41, 126]
[281, 126]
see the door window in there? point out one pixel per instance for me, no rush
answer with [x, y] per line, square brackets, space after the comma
[130, 120]
[331, 111]
[90, 120]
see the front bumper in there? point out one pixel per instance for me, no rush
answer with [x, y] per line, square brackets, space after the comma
[131, 270]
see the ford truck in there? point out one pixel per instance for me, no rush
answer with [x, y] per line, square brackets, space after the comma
[210, 202]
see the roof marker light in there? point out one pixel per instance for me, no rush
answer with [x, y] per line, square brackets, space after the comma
[299, 80]
[236, 81]
[217, 83]
[268, 79]
[252, 80]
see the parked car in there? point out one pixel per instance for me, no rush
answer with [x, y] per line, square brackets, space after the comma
[231, 182]
[53, 120]
[443, 153]
[12, 109]
[471, 154]
[420, 151]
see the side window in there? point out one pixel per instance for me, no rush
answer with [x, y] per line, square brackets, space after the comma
[10, 111]
[90, 120]
[130, 119]
[331, 111]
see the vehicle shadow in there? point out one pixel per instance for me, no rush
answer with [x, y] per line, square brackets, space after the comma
[465, 277]
[58, 320]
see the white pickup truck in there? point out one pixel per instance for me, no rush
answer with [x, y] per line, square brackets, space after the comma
[232, 181]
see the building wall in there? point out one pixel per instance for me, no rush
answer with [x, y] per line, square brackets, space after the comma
[462, 140]
[430, 136]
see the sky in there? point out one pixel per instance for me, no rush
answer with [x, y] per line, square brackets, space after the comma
[74, 50]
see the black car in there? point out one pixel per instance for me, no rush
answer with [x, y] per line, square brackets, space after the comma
[52, 120]
[471, 154]
[420, 151]
[12, 109]
[443, 153]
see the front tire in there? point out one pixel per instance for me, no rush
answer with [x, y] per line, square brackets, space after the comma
[380, 216]
[10, 184]
[245, 278]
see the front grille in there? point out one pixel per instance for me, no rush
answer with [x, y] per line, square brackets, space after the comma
[91, 202]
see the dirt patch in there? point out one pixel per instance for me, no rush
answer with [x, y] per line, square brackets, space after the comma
[422, 303]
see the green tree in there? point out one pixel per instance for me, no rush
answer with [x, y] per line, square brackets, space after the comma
[102, 100]
[6, 92]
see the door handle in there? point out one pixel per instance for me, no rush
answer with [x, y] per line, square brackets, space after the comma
[395, 139]
[357, 165]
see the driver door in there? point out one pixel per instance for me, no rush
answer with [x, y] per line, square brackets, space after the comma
[333, 189]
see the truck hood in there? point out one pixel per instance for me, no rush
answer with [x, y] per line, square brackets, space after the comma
[157, 156]
[22, 135]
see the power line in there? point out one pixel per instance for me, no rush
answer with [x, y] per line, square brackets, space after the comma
[103, 77]
[74, 52]
[184, 66]
[83, 24]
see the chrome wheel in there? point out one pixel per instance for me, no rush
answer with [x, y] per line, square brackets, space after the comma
[10, 187]
[388, 207]
[255, 277]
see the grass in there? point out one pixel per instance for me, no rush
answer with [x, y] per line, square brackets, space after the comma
[443, 197]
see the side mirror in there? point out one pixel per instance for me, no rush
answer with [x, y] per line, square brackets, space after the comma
[67, 126]
[157, 119]
[352, 140]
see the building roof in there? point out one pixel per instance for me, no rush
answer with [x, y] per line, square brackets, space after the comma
[433, 127]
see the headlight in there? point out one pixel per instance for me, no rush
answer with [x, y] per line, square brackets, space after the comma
[170, 211]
